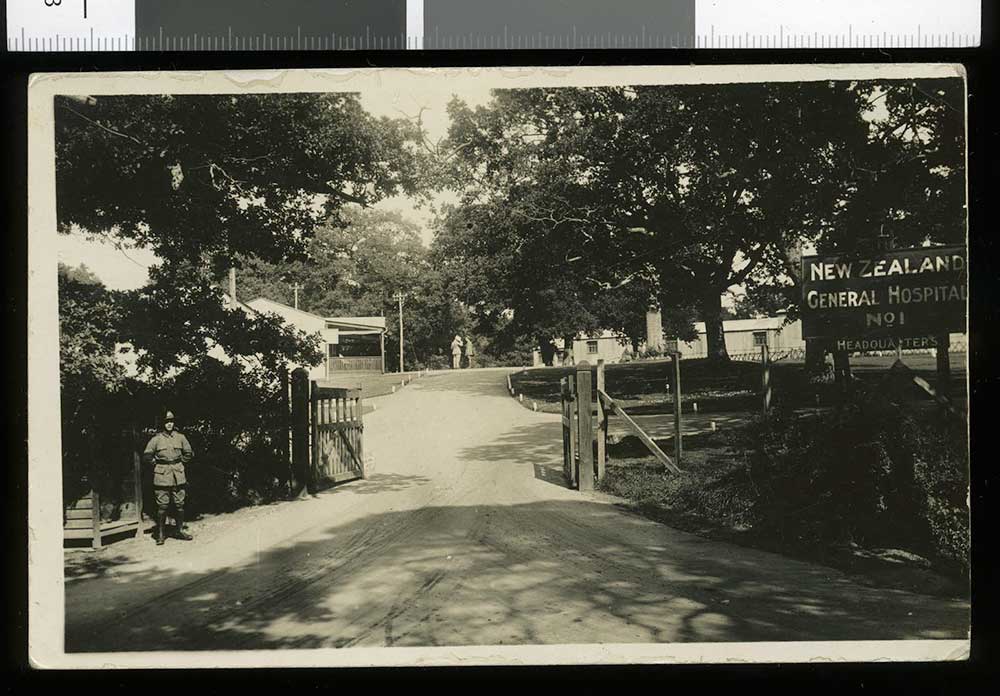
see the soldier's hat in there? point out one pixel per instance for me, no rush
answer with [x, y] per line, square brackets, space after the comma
[168, 416]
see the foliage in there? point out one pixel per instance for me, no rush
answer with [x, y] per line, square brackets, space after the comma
[693, 189]
[866, 472]
[356, 269]
[205, 182]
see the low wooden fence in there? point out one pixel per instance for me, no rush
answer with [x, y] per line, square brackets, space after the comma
[108, 507]
[355, 364]
[584, 445]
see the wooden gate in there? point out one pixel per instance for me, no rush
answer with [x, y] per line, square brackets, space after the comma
[337, 435]
[584, 460]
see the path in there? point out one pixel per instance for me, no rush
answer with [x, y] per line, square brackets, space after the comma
[464, 534]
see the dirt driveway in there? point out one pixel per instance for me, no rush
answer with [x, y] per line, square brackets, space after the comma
[465, 534]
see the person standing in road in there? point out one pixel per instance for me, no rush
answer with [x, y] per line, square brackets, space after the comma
[470, 351]
[169, 451]
[456, 352]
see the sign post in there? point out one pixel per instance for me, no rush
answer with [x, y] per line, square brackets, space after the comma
[889, 300]
[765, 363]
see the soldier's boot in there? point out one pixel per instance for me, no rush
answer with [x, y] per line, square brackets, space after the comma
[160, 533]
[180, 533]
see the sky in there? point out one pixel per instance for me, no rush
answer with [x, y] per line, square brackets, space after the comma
[128, 269]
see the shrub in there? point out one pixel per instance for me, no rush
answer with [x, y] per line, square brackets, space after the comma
[864, 472]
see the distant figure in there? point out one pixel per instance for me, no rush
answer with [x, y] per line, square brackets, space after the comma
[169, 451]
[456, 352]
[470, 351]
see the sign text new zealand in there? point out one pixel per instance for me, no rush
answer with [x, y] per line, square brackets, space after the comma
[903, 293]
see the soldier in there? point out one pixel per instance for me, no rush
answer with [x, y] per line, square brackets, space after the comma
[169, 451]
[470, 351]
[456, 352]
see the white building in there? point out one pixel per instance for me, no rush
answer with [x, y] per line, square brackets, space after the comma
[350, 344]
[742, 336]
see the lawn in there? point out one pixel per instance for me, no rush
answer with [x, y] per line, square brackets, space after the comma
[372, 384]
[720, 495]
[641, 387]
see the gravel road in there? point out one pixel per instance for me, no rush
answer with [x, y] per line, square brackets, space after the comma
[464, 534]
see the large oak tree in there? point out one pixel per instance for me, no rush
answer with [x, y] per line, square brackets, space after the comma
[697, 188]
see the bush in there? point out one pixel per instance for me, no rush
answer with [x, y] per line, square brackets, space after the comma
[515, 358]
[865, 472]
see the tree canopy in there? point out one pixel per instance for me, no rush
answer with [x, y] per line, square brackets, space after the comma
[209, 182]
[697, 188]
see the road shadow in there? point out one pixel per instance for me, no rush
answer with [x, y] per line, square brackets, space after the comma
[471, 575]
[538, 445]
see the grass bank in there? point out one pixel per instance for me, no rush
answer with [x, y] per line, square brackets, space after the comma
[863, 487]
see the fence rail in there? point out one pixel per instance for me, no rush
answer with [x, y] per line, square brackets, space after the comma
[355, 364]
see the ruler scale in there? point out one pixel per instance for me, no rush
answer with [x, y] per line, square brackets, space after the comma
[278, 25]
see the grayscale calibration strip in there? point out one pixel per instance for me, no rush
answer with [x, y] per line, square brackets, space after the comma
[267, 25]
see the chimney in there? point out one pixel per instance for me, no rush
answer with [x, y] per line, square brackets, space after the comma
[654, 329]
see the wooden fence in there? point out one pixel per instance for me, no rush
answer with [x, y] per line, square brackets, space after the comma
[83, 517]
[584, 446]
[337, 435]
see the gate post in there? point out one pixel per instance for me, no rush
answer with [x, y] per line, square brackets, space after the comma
[678, 407]
[574, 406]
[765, 379]
[602, 424]
[586, 441]
[300, 430]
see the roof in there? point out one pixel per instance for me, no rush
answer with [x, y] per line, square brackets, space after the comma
[358, 322]
[304, 313]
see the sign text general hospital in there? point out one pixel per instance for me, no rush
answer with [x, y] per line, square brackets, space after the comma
[912, 292]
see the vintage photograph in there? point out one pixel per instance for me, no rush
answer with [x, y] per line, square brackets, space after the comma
[659, 363]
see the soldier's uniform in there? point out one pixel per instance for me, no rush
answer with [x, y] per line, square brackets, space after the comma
[169, 452]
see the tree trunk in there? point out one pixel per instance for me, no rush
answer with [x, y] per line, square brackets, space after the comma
[842, 367]
[815, 357]
[715, 336]
[547, 351]
[570, 357]
[943, 360]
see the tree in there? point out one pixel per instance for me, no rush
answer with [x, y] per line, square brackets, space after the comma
[355, 269]
[212, 181]
[699, 188]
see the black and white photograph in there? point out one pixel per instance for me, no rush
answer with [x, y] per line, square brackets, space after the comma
[499, 366]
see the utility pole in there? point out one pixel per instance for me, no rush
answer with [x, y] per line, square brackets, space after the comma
[296, 289]
[399, 297]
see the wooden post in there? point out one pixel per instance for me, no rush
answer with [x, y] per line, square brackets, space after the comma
[360, 432]
[765, 361]
[602, 424]
[137, 472]
[564, 407]
[573, 406]
[381, 338]
[300, 430]
[943, 356]
[586, 428]
[678, 424]
[314, 404]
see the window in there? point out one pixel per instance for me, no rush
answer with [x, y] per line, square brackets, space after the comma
[759, 338]
[592, 348]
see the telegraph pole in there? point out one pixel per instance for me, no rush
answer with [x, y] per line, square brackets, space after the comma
[296, 289]
[399, 297]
